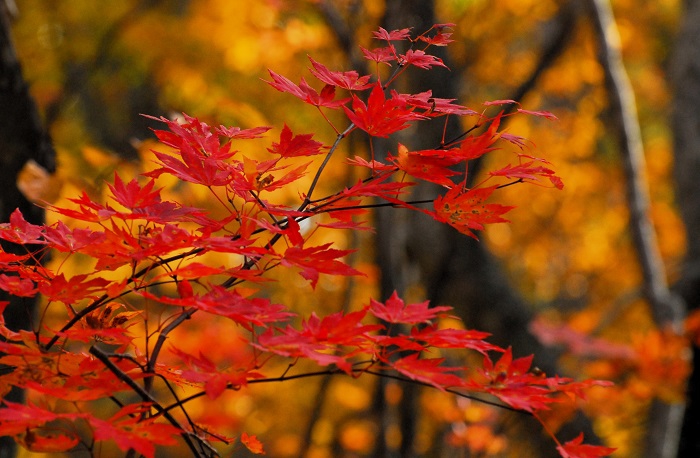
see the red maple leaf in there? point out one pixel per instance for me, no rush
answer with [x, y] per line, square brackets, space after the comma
[378, 187]
[429, 165]
[380, 55]
[317, 259]
[428, 370]
[575, 448]
[242, 134]
[441, 38]
[252, 444]
[305, 92]
[88, 210]
[20, 231]
[394, 35]
[475, 147]
[25, 423]
[43, 442]
[5, 332]
[133, 195]
[245, 311]
[76, 288]
[88, 378]
[511, 381]
[394, 310]
[466, 210]
[215, 379]
[69, 240]
[543, 114]
[345, 80]
[528, 171]
[340, 328]
[321, 339]
[195, 167]
[16, 418]
[373, 165]
[500, 102]
[17, 286]
[433, 106]
[381, 117]
[420, 59]
[292, 343]
[129, 430]
[454, 338]
[291, 145]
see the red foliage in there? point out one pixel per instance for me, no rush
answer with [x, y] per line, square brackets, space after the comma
[466, 210]
[577, 449]
[150, 243]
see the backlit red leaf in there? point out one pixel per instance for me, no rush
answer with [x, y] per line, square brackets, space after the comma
[252, 444]
[380, 55]
[316, 260]
[428, 370]
[305, 92]
[575, 448]
[20, 231]
[130, 431]
[381, 117]
[345, 80]
[394, 35]
[394, 310]
[291, 145]
[429, 165]
[420, 59]
[133, 195]
[467, 211]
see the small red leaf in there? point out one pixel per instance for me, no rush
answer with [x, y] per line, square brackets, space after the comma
[394, 35]
[575, 448]
[420, 59]
[466, 211]
[345, 80]
[303, 91]
[394, 310]
[291, 145]
[252, 444]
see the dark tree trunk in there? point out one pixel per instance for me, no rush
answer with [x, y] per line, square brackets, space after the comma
[452, 268]
[22, 138]
[685, 75]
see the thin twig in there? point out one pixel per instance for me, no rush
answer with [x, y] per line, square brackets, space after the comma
[146, 397]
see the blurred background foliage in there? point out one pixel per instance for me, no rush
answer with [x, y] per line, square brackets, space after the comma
[94, 67]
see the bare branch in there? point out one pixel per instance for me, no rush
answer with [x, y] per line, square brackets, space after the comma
[146, 397]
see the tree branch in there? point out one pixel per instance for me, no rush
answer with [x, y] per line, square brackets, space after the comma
[146, 397]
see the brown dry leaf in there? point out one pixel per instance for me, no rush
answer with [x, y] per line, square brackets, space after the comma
[37, 184]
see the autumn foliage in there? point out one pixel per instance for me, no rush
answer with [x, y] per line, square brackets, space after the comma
[146, 267]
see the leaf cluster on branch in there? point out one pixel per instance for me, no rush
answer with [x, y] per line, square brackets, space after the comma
[140, 251]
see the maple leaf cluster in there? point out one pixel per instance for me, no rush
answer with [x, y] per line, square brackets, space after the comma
[136, 245]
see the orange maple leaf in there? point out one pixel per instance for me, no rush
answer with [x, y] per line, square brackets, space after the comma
[252, 443]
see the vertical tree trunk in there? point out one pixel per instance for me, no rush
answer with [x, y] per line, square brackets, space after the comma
[22, 138]
[685, 76]
[667, 309]
[453, 268]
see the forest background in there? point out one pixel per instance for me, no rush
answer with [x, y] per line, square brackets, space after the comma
[570, 280]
